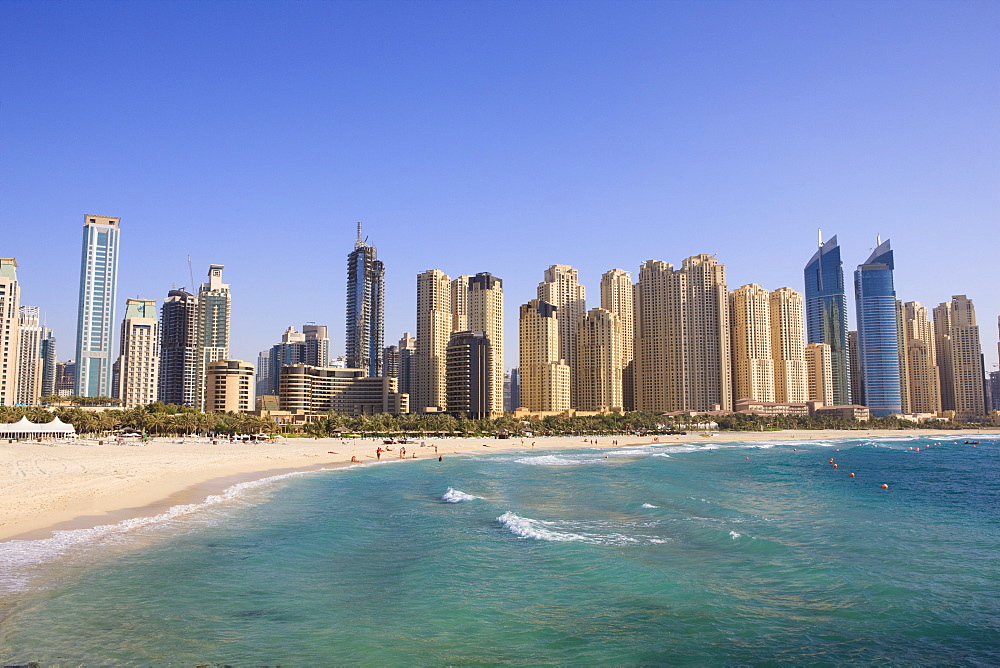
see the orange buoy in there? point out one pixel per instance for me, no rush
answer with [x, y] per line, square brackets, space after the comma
[831, 460]
[884, 486]
[852, 475]
[748, 458]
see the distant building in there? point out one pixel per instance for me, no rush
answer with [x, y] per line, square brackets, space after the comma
[29, 359]
[544, 375]
[923, 375]
[511, 390]
[49, 361]
[428, 386]
[365, 305]
[857, 379]
[753, 361]
[310, 346]
[561, 287]
[407, 368]
[960, 357]
[10, 325]
[179, 350]
[469, 373]
[994, 384]
[139, 361]
[390, 361]
[349, 391]
[791, 383]
[65, 378]
[229, 387]
[826, 314]
[96, 317]
[214, 306]
[617, 296]
[598, 361]
[878, 343]
[819, 365]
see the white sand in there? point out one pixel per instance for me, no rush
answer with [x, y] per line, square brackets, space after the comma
[80, 485]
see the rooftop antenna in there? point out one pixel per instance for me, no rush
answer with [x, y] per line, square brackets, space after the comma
[820, 237]
[878, 240]
[359, 243]
[191, 271]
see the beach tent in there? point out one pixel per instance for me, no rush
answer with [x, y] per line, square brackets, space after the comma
[24, 428]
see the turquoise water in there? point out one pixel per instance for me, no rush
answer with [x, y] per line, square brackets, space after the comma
[664, 555]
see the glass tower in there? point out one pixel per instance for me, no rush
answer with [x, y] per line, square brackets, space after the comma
[826, 313]
[365, 286]
[95, 321]
[878, 343]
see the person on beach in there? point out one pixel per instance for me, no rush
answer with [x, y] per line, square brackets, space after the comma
[378, 453]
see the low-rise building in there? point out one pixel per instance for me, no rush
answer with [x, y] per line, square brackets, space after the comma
[229, 387]
[314, 389]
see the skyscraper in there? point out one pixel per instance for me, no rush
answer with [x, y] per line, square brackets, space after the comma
[857, 379]
[49, 362]
[788, 346]
[365, 294]
[543, 374]
[682, 340]
[921, 359]
[561, 288]
[753, 362]
[179, 344]
[469, 370]
[486, 315]
[214, 305]
[826, 313]
[434, 328]
[139, 361]
[598, 361]
[820, 369]
[963, 375]
[310, 346]
[29, 358]
[10, 320]
[407, 369]
[878, 344]
[96, 316]
[617, 296]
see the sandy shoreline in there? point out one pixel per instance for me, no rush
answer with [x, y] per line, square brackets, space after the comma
[49, 487]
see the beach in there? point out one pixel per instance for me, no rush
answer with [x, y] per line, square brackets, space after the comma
[77, 485]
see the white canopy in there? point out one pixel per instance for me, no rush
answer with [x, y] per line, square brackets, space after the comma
[24, 428]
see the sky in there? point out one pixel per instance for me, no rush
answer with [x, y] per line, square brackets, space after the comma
[495, 136]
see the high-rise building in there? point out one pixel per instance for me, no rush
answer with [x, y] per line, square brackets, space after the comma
[819, 364]
[214, 305]
[310, 346]
[791, 384]
[407, 369]
[878, 345]
[49, 362]
[904, 365]
[390, 361]
[179, 350]
[365, 306]
[96, 316]
[682, 340]
[10, 320]
[263, 383]
[459, 304]
[139, 361]
[511, 390]
[826, 313]
[543, 374]
[857, 379]
[598, 368]
[469, 369]
[561, 288]
[617, 296]
[29, 357]
[753, 362]
[994, 384]
[962, 372]
[434, 327]
[486, 315]
[65, 378]
[921, 359]
[229, 387]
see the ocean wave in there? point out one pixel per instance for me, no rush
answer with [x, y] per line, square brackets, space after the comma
[558, 460]
[22, 558]
[649, 505]
[457, 496]
[735, 535]
[560, 532]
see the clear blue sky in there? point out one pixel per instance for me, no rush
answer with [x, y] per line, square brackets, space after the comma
[495, 136]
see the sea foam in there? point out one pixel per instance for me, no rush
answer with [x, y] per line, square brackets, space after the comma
[457, 496]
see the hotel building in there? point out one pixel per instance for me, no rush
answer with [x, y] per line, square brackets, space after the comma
[10, 319]
[561, 288]
[139, 361]
[434, 328]
[214, 305]
[315, 390]
[921, 360]
[96, 315]
[791, 384]
[753, 364]
[962, 373]
[29, 357]
[543, 375]
[229, 387]
[598, 368]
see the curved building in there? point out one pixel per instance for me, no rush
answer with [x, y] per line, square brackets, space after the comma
[826, 314]
[878, 341]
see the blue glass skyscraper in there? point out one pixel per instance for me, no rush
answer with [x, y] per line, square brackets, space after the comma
[878, 343]
[98, 290]
[826, 313]
[365, 287]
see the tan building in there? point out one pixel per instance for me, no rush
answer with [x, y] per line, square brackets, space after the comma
[788, 335]
[229, 387]
[905, 400]
[921, 360]
[682, 344]
[851, 412]
[214, 306]
[598, 361]
[561, 288]
[752, 407]
[29, 360]
[10, 318]
[486, 315]
[313, 389]
[139, 360]
[957, 339]
[434, 328]
[753, 365]
[618, 296]
[460, 304]
[819, 369]
[544, 375]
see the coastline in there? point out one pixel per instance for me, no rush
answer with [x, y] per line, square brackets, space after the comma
[53, 487]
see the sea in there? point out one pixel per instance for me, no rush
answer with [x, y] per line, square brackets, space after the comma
[880, 551]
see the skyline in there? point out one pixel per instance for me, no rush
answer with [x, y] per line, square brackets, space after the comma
[500, 129]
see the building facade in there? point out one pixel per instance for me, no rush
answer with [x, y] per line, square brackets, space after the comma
[819, 365]
[543, 375]
[561, 288]
[49, 362]
[214, 307]
[29, 358]
[434, 327]
[139, 359]
[10, 327]
[618, 296]
[826, 313]
[791, 384]
[921, 359]
[753, 362]
[598, 361]
[96, 315]
[179, 350]
[963, 374]
[349, 391]
[878, 343]
[486, 315]
[229, 387]
[365, 306]
[469, 371]
[310, 346]
[407, 369]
